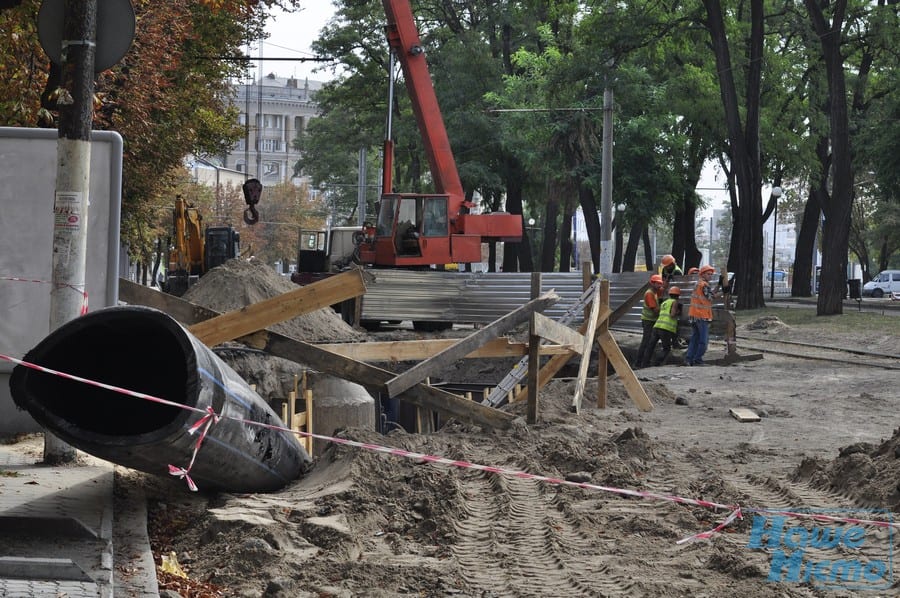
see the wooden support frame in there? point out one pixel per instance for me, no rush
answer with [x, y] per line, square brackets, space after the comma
[301, 421]
[609, 350]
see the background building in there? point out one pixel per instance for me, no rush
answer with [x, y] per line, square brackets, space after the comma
[274, 111]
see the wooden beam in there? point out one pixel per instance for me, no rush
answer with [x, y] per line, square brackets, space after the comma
[602, 357]
[586, 348]
[370, 377]
[629, 380]
[392, 351]
[465, 346]
[260, 315]
[552, 330]
[534, 341]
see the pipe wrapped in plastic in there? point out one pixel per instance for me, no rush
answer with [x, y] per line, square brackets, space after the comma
[145, 350]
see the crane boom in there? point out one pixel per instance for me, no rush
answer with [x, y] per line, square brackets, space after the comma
[403, 38]
[418, 230]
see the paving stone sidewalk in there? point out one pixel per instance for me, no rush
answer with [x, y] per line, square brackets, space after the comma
[57, 535]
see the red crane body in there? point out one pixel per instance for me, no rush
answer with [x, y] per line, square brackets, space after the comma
[419, 230]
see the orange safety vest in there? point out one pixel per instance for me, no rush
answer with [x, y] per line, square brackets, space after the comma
[701, 302]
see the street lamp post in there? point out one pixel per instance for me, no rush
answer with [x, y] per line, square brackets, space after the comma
[776, 193]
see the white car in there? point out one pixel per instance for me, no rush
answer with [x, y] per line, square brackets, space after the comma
[884, 283]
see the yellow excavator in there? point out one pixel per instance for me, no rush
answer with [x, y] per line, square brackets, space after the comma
[194, 251]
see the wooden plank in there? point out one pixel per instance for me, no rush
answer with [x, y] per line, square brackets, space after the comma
[392, 351]
[743, 414]
[183, 311]
[465, 346]
[586, 349]
[370, 377]
[552, 330]
[626, 374]
[308, 396]
[260, 315]
[292, 410]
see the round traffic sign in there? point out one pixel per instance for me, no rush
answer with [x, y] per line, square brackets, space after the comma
[115, 30]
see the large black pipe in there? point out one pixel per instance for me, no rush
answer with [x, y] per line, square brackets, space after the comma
[145, 350]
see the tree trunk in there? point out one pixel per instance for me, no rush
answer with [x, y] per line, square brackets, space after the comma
[591, 222]
[837, 208]
[743, 144]
[565, 235]
[548, 243]
[516, 254]
[649, 258]
[634, 239]
[806, 247]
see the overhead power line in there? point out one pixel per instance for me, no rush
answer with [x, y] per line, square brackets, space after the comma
[542, 109]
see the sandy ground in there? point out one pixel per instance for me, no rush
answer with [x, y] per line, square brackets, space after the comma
[368, 524]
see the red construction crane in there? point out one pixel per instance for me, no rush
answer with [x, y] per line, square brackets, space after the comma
[415, 229]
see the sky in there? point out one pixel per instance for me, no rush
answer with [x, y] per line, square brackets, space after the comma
[290, 35]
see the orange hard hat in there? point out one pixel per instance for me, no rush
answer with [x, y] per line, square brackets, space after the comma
[675, 291]
[694, 271]
[707, 269]
[668, 259]
[656, 279]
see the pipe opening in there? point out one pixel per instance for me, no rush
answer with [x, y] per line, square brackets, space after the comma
[132, 351]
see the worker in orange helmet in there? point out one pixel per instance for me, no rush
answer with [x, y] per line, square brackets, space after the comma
[669, 268]
[652, 298]
[700, 314]
[666, 328]
[693, 271]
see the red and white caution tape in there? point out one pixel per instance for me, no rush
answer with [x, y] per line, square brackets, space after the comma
[77, 288]
[210, 418]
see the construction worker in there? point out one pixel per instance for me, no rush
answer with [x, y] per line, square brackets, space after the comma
[649, 313]
[693, 271]
[669, 268]
[665, 330]
[700, 314]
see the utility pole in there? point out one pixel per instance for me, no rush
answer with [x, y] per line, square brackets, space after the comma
[606, 256]
[361, 189]
[68, 297]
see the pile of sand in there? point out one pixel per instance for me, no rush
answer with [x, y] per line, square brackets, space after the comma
[767, 324]
[238, 283]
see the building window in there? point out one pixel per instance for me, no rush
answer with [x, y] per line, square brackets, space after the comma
[272, 121]
[271, 168]
[270, 145]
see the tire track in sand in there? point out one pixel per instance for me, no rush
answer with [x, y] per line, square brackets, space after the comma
[514, 539]
[768, 492]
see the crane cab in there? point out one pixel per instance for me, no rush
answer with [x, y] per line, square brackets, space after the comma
[415, 229]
